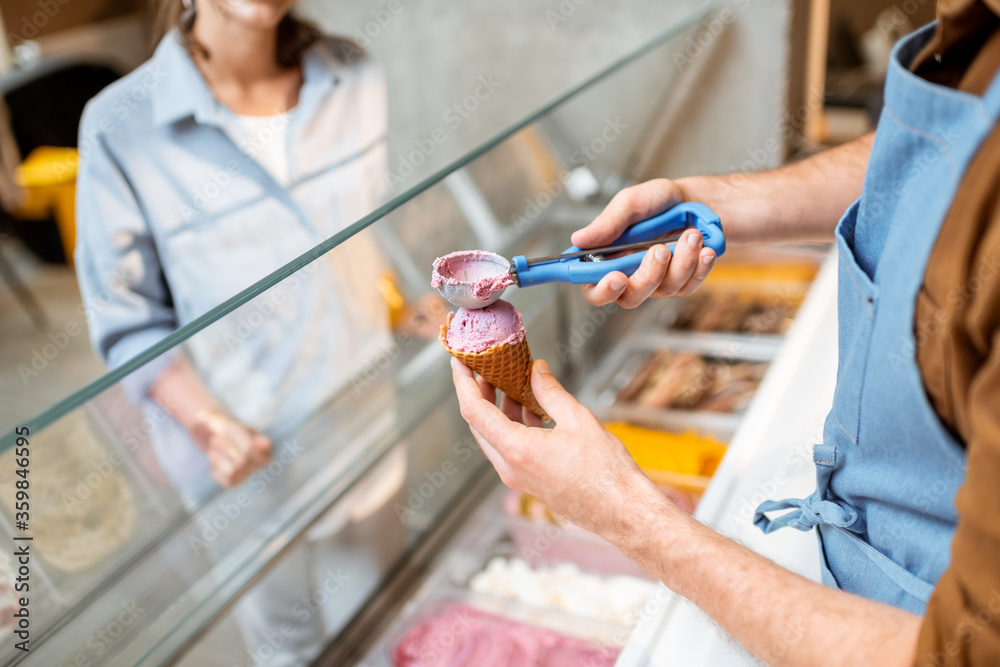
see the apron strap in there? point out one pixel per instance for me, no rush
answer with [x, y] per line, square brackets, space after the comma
[806, 514]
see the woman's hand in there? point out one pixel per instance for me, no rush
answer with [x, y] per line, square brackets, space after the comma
[660, 274]
[235, 451]
[579, 469]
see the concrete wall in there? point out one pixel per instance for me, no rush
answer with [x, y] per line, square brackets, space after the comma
[723, 98]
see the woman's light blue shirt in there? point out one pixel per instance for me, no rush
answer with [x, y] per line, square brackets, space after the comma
[174, 218]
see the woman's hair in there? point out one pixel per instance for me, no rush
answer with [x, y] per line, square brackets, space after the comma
[295, 35]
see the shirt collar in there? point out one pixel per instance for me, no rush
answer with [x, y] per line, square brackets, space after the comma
[184, 93]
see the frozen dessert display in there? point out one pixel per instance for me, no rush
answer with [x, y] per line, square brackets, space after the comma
[692, 381]
[530, 508]
[459, 635]
[761, 275]
[468, 266]
[685, 453]
[542, 538]
[681, 464]
[747, 297]
[613, 599]
[491, 342]
[731, 311]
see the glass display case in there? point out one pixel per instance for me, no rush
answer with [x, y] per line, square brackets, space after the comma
[376, 500]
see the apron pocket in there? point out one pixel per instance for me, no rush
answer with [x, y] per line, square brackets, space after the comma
[859, 568]
[856, 304]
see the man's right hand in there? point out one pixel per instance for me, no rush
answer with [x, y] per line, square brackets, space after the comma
[660, 274]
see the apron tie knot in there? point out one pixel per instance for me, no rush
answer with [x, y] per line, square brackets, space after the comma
[806, 513]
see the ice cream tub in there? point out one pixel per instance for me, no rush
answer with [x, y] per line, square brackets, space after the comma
[680, 462]
[466, 630]
[530, 531]
[614, 599]
[678, 382]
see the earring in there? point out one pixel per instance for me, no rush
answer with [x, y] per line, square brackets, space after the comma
[186, 4]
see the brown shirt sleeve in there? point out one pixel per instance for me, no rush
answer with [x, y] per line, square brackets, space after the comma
[957, 328]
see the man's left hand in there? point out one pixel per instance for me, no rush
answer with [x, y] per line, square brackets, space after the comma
[579, 469]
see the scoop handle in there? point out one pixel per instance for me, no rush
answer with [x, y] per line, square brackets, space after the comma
[577, 272]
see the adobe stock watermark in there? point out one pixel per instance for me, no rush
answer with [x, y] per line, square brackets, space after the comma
[99, 642]
[792, 636]
[881, 201]
[696, 45]
[955, 304]
[453, 118]
[794, 461]
[58, 340]
[966, 631]
[30, 25]
[378, 364]
[230, 507]
[580, 333]
[420, 494]
[146, 79]
[584, 155]
[370, 30]
[84, 486]
[304, 609]
[645, 613]
[763, 156]
[220, 179]
[894, 22]
[562, 12]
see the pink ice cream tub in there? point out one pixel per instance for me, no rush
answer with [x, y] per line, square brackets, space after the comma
[455, 632]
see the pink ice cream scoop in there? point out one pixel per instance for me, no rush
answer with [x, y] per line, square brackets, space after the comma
[479, 329]
[461, 636]
[471, 278]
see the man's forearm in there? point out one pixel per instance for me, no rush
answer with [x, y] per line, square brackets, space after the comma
[779, 616]
[799, 202]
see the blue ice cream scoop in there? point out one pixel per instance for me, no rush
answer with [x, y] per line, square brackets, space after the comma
[582, 267]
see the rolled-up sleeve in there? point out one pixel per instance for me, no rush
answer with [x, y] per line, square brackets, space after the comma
[125, 295]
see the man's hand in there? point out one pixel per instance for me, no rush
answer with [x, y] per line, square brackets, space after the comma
[579, 469]
[585, 474]
[660, 274]
[800, 202]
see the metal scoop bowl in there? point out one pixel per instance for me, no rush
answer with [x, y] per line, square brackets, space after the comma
[459, 286]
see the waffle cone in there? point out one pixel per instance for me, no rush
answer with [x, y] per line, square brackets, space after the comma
[506, 367]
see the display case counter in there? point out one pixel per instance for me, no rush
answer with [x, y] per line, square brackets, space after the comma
[502, 560]
[378, 512]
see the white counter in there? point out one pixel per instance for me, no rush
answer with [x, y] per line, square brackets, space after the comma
[770, 456]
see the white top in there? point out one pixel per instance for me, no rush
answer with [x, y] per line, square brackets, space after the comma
[264, 139]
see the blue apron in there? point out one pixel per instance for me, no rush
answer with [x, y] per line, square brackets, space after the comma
[888, 470]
